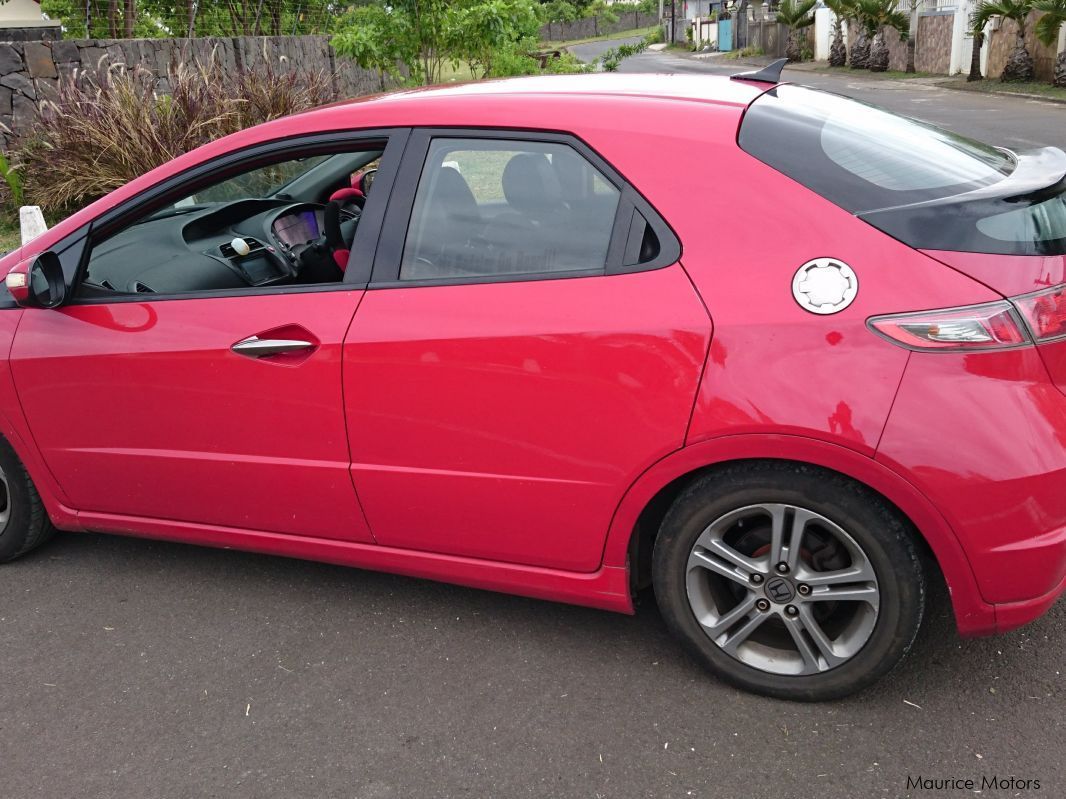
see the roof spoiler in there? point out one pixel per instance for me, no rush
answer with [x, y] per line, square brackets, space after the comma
[771, 73]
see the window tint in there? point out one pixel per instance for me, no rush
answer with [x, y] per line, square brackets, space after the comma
[862, 157]
[271, 225]
[1043, 222]
[490, 207]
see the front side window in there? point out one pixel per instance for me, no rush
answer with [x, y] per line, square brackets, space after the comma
[287, 222]
[488, 208]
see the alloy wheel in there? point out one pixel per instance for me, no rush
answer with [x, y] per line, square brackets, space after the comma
[782, 589]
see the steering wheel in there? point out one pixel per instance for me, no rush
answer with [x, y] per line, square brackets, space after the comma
[331, 227]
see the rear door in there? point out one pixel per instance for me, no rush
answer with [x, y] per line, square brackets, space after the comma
[528, 345]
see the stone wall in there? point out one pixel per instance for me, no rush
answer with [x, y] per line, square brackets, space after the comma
[1000, 44]
[595, 26]
[897, 48]
[30, 71]
[933, 51]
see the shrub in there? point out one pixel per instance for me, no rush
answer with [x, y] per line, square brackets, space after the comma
[567, 64]
[105, 128]
[11, 188]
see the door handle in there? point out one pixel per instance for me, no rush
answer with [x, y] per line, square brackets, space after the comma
[255, 347]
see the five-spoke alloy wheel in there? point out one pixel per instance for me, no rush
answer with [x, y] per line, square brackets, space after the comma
[789, 580]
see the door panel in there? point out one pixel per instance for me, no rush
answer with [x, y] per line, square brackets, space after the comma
[506, 420]
[143, 408]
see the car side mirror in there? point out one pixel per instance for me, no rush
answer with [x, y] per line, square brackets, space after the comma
[38, 283]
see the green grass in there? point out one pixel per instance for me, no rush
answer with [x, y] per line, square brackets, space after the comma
[455, 73]
[744, 52]
[893, 74]
[998, 87]
[10, 237]
[556, 45]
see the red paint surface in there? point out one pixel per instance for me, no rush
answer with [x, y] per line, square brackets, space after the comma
[508, 436]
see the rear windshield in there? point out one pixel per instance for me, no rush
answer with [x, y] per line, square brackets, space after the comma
[880, 165]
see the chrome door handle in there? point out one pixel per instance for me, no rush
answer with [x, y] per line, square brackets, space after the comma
[255, 347]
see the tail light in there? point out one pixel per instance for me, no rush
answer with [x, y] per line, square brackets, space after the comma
[1044, 313]
[994, 325]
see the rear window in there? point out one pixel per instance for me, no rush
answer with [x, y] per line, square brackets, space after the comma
[1041, 222]
[925, 186]
[861, 157]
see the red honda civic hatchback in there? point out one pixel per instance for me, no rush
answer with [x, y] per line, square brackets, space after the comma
[782, 356]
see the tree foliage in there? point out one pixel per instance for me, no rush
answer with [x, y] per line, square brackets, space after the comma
[494, 37]
[103, 19]
[843, 11]
[796, 14]
[1020, 63]
[1047, 30]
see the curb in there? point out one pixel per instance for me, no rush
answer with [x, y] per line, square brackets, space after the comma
[962, 87]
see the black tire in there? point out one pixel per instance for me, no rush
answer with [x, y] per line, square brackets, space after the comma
[27, 525]
[883, 535]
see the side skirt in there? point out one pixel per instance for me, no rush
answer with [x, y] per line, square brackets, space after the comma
[606, 588]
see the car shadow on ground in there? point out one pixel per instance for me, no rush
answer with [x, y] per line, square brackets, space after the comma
[157, 574]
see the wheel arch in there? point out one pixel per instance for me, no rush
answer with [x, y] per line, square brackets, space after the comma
[636, 520]
[51, 495]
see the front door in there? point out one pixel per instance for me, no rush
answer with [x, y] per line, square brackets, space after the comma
[196, 376]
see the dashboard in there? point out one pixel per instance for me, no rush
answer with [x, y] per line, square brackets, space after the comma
[245, 243]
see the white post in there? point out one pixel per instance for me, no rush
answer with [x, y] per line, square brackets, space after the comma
[960, 52]
[824, 20]
[31, 222]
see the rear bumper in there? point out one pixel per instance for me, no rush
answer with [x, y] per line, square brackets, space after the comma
[983, 437]
[1011, 615]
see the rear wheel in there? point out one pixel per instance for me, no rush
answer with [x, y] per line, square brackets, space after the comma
[24, 525]
[789, 580]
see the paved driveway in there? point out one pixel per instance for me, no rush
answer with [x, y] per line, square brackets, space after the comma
[144, 669]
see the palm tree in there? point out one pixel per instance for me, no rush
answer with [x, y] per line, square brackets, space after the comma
[797, 15]
[978, 33]
[860, 50]
[883, 14]
[1047, 31]
[843, 12]
[1020, 64]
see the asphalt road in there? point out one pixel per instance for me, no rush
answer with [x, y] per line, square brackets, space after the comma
[144, 669]
[1013, 122]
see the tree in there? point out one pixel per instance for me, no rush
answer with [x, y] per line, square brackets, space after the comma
[912, 35]
[1047, 30]
[860, 50]
[843, 12]
[796, 14]
[1020, 64]
[560, 11]
[426, 34]
[882, 15]
[377, 38]
[483, 31]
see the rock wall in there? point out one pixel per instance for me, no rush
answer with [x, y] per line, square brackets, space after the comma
[1000, 44]
[932, 46]
[933, 51]
[30, 71]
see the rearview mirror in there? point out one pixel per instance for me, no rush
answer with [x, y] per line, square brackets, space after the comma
[40, 285]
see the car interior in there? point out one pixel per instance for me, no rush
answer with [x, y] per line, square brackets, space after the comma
[541, 209]
[537, 208]
[284, 224]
